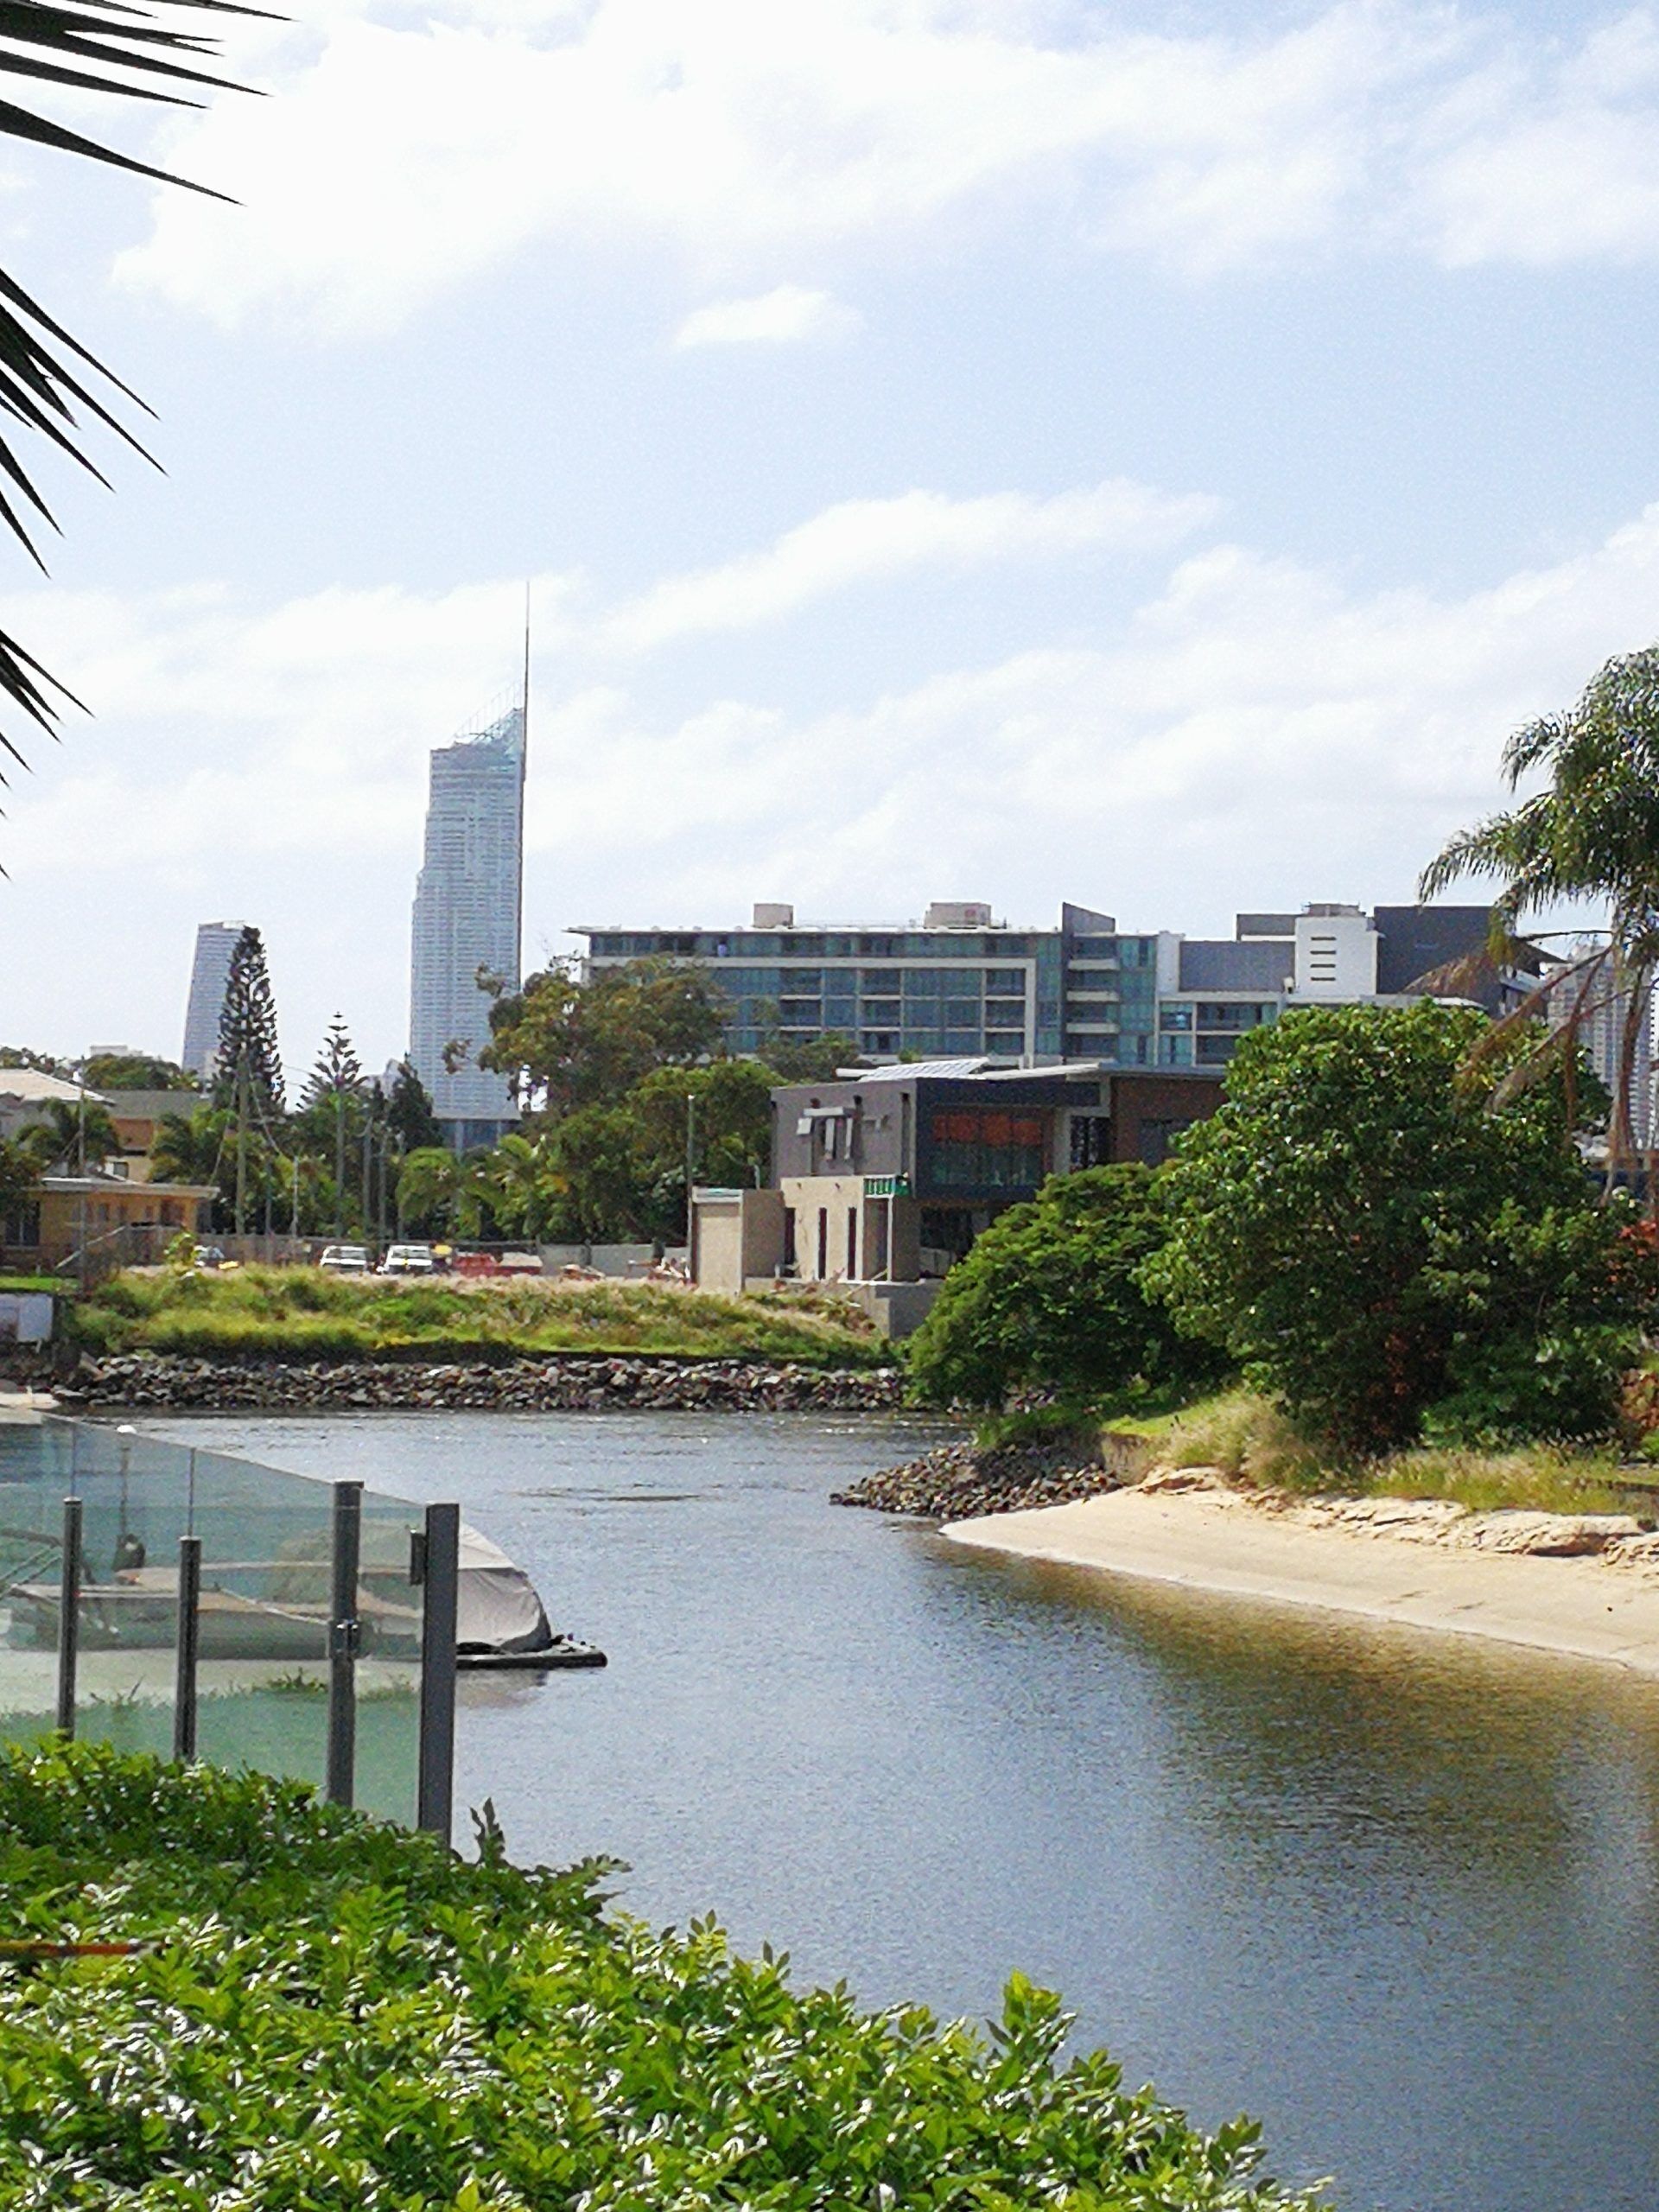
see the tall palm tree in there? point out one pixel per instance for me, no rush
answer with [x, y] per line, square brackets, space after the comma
[1591, 834]
[97, 46]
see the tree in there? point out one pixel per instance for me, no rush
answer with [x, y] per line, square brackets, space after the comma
[70, 1137]
[334, 1093]
[712, 1123]
[90, 48]
[135, 1071]
[1050, 1299]
[190, 1147]
[410, 1115]
[1360, 1228]
[1592, 834]
[564, 1043]
[248, 1054]
[338, 1069]
[522, 1177]
[811, 1060]
[22, 1056]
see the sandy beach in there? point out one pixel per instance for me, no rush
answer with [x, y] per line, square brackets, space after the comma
[1204, 1539]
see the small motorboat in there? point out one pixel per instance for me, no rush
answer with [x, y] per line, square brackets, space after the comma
[277, 1609]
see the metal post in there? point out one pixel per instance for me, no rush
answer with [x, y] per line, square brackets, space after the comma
[69, 1617]
[345, 1633]
[434, 1804]
[184, 1687]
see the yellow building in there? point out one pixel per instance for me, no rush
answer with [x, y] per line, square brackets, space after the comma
[115, 1221]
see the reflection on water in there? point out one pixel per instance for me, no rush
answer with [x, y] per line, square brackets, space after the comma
[1395, 1893]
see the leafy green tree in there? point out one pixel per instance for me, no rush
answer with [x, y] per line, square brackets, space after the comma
[92, 48]
[716, 1120]
[811, 1060]
[565, 1044]
[1360, 1228]
[1591, 834]
[1050, 1299]
[248, 1052]
[135, 1071]
[410, 1116]
[609, 1197]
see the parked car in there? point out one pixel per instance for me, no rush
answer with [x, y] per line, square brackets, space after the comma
[345, 1259]
[409, 1260]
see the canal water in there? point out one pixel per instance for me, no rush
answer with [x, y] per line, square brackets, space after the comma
[1396, 1895]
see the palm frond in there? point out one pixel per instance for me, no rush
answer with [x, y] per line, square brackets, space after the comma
[131, 52]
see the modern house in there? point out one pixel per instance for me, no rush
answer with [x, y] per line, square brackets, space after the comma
[961, 984]
[468, 900]
[883, 1178]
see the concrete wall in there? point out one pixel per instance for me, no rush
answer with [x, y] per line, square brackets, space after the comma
[736, 1235]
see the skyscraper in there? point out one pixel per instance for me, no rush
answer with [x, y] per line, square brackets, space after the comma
[468, 909]
[215, 942]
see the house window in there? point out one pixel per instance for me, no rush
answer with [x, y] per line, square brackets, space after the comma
[975, 1148]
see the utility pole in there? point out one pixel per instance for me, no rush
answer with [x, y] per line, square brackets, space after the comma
[339, 1161]
[293, 1218]
[368, 1140]
[242, 1142]
[690, 1156]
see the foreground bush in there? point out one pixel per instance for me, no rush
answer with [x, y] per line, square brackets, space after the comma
[337, 2016]
[1049, 1299]
[1382, 1251]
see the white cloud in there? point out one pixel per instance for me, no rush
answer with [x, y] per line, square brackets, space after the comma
[403, 152]
[783, 316]
[869, 541]
[1254, 734]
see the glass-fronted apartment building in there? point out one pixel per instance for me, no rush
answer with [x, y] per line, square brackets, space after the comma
[958, 985]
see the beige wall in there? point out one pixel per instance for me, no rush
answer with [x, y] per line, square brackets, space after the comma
[737, 1235]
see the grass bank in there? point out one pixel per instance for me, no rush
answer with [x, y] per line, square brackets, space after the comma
[1253, 1443]
[340, 2018]
[300, 1313]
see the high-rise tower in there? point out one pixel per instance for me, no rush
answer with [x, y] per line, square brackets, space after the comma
[469, 906]
[209, 972]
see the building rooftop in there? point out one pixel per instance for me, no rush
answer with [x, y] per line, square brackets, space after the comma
[33, 1087]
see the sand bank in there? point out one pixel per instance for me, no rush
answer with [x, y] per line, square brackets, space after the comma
[1204, 1539]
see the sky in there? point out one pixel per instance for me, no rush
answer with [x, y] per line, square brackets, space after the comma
[1009, 449]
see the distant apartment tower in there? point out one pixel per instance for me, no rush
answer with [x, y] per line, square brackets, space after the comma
[209, 973]
[468, 903]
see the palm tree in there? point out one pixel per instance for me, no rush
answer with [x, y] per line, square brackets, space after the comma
[521, 1182]
[190, 1148]
[96, 46]
[1591, 834]
[75, 1137]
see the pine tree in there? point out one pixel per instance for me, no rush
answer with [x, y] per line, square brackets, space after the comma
[247, 1031]
[338, 1069]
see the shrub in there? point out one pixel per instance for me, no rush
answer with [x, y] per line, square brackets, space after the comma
[1050, 1299]
[337, 2016]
